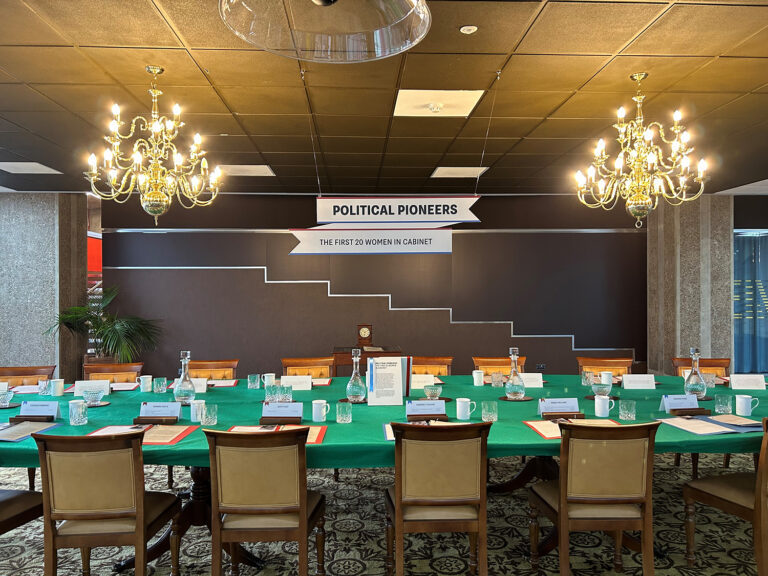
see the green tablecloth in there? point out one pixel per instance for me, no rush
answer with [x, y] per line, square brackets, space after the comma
[361, 444]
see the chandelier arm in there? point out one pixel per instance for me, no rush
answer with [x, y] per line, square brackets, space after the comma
[104, 195]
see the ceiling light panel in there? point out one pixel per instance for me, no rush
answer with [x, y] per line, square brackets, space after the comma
[437, 103]
[458, 171]
[246, 170]
[27, 168]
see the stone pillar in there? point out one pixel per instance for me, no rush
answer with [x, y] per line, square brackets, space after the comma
[42, 269]
[690, 266]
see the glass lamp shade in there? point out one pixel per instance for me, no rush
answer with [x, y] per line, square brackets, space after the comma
[331, 31]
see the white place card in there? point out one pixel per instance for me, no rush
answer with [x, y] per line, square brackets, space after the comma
[424, 407]
[81, 385]
[638, 382]
[747, 382]
[678, 401]
[26, 389]
[3, 386]
[387, 380]
[532, 379]
[301, 383]
[161, 409]
[124, 386]
[40, 408]
[418, 381]
[558, 405]
[283, 410]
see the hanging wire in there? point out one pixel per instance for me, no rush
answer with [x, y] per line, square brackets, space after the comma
[314, 152]
[488, 128]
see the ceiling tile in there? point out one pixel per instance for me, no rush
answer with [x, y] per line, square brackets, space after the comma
[128, 66]
[279, 124]
[663, 71]
[586, 28]
[521, 104]
[476, 159]
[727, 75]
[20, 25]
[347, 144]
[417, 145]
[336, 172]
[515, 160]
[248, 68]
[510, 172]
[43, 64]
[548, 72]
[21, 98]
[406, 171]
[226, 143]
[342, 159]
[211, 124]
[107, 22]
[751, 108]
[596, 105]
[434, 127]
[192, 99]
[199, 24]
[352, 101]
[756, 45]
[63, 128]
[500, 25]
[692, 105]
[547, 145]
[474, 145]
[297, 171]
[284, 143]
[499, 127]
[247, 100]
[91, 98]
[378, 74]
[450, 71]
[235, 158]
[700, 30]
[290, 158]
[352, 125]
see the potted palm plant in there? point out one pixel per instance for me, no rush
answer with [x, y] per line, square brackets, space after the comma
[120, 337]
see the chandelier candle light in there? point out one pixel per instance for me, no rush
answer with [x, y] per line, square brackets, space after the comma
[642, 173]
[145, 170]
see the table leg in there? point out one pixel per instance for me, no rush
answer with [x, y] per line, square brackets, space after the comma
[542, 467]
[196, 512]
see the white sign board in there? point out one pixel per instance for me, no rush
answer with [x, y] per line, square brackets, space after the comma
[448, 209]
[373, 241]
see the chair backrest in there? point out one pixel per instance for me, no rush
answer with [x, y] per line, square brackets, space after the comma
[126, 372]
[717, 366]
[491, 364]
[213, 369]
[761, 486]
[25, 375]
[92, 477]
[606, 465]
[264, 473]
[435, 365]
[441, 465]
[619, 366]
[324, 367]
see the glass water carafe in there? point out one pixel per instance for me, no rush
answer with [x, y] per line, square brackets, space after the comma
[694, 383]
[356, 386]
[184, 391]
[515, 387]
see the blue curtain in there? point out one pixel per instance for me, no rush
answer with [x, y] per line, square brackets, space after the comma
[750, 302]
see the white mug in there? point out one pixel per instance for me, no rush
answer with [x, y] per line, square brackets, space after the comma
[145, 382]
[744, 404]
[269, 379]
[320, 409]
[196, 410]
[477, 377]
[464, 407]
[606, 378]
[57, 387]
[603, 405]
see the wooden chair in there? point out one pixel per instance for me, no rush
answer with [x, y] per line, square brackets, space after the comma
[259, 494]
[720, 367]
[743, 494]
[103, 502]
[213, 369]
[435, 365]
[25, 375]
[440, 486]
[605, 483]
[502, 364]
[316, 367]
[17, 507]
[127, 372]
[619, 366]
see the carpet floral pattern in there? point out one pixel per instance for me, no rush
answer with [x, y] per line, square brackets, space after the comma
[355, 540]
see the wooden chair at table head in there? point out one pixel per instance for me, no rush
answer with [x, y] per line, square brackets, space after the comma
[440, 486]
[435, 365]
[619, 366]
[213, 369]
[25, 375]
[323, 367]
[102, 503]
[717, 366]
[503, 364]
[605, 484]
[259, 494]
[126, 372]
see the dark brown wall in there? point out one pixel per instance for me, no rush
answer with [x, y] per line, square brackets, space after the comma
[551, 284]
[750, 212]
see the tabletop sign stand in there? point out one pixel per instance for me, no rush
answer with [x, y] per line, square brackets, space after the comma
[265, 420]
[426, 417]
[565, 415]
[162, 420]
[30, 418]
[690, 411]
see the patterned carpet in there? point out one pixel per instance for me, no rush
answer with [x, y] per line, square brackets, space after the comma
[355, 533]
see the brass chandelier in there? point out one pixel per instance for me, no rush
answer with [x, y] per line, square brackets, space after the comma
[147, 169]
[643, 172]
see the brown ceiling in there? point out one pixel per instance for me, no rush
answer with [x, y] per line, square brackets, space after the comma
[564, 68]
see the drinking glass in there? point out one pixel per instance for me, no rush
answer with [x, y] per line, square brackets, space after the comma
[723, 404]
[44, 387]
[627, 409]
[343, 412]
[160, 385]
[93, 397]
[209, 414]
[272, 392]
[285, 393]
[78, 413]
[497, 380]
[254, 381]
[600, 389]
[490, 411]
[433, 391]
[709, 379]
[587, 378]
[5, 398]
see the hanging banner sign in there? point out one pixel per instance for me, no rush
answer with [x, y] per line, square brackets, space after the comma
[373, 241]
[444, 209]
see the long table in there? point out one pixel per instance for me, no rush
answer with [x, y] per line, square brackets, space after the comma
[362, 444]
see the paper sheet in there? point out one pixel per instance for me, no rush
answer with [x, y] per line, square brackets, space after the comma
[167, 434]
[550, 429]
[28, 389]
[110, 430]
[696, 426]
[321, 381]
[254, 429]
[735, 420]
[222, 383]
[316, 433]
[124, 386]
[22, 430]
